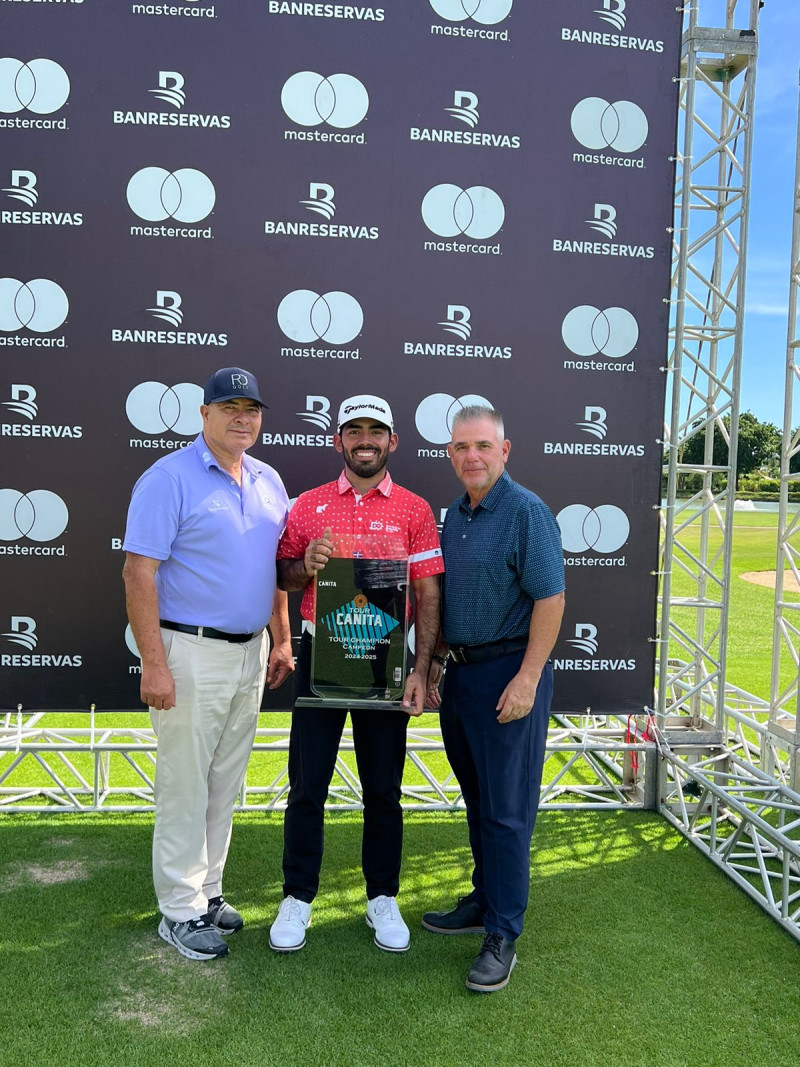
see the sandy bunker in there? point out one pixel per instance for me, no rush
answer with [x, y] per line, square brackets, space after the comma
[768, 578]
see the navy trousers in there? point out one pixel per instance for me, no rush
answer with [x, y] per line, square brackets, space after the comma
[499, 769]
[379, 739]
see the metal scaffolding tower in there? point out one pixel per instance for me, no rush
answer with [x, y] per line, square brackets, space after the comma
[708, 282]
[784, 721]
[728, 770]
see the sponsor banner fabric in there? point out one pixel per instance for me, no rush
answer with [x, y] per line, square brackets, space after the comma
[427, 199]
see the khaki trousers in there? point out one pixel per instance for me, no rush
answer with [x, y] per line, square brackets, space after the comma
[204, 744]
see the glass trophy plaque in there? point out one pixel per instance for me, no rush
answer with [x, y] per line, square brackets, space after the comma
[359, 646]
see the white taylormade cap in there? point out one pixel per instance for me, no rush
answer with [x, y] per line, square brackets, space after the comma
[365, 407]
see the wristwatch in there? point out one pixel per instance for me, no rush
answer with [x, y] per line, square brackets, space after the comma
[441, 660]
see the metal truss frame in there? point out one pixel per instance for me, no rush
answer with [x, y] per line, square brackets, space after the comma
[728, 774]
[745, 821]
[784, 721]
[719, 764]
[93, 767]
[717, 88]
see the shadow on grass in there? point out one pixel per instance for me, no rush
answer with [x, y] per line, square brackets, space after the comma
[629, 933]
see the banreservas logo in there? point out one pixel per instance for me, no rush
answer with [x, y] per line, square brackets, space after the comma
[168, 308]
[483, 12]
[24, 188]
[38, 515]
[326, 10]
[594, 422]
[170, 88]
[604, 221]
[339, 100]
[170, 91]
[594, 425]
[465, 110]
[186, 195]
[434, 420]
[317, 412]
[305, 316]
[585, 640]
[22, 632]
[585, 637]
[320, 201]
[39, 305]
[154, 408]
[457, 322]
[40, 86]
[23, 404]
[23, 401]
[614, 14]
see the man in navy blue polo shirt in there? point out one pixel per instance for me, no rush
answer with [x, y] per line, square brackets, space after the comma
[200, 581]
[502, 603]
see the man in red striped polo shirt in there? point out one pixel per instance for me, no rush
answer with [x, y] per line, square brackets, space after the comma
[363, 500]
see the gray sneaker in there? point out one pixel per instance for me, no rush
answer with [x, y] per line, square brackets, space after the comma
[223, 916]
[195, 939]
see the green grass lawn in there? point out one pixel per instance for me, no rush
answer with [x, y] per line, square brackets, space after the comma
[637, 952]
[751, 612]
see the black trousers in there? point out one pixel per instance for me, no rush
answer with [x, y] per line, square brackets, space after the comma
[379, 739]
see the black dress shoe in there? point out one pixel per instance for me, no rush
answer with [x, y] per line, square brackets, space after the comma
[493, 964]
[465, 918]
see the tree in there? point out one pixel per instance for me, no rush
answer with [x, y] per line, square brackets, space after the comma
[794, 462]
[759, 446]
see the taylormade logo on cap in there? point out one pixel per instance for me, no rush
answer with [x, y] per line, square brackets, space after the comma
[357, 407]
[364, 407]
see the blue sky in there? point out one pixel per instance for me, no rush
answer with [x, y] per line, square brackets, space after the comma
[771, 204]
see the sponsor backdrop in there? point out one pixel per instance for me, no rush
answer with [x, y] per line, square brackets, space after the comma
[434, 200]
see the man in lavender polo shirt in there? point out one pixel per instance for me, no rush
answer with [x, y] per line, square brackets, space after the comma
[203, 529]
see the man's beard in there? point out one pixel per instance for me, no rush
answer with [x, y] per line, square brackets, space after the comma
[366, 468]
